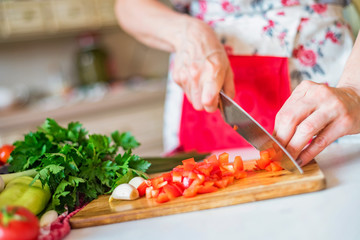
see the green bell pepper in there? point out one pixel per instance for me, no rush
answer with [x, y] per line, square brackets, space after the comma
[18, 192]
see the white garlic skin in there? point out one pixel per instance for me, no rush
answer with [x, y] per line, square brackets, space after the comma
[48, 218]
[136, 181]
[124, 191]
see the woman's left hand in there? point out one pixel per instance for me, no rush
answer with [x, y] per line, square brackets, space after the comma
[319, 113]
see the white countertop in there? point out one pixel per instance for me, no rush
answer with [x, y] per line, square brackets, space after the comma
[333, 213]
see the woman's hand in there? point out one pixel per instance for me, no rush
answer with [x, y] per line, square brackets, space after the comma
[201, 66]
[319, 113]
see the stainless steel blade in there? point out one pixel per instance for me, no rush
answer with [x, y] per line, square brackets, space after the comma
[253, 132]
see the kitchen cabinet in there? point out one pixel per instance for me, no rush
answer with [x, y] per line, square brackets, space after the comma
[31, 19]
[139, 111]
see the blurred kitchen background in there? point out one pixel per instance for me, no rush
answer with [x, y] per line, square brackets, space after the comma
[69, 60]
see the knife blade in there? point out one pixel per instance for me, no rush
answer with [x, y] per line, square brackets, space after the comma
[253, 132]
[163, 164]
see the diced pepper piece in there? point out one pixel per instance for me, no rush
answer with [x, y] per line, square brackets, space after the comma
[240, 174]
[191, 191]
[272, 153]
[148, 192]
[163, 197]
[155, 182]
[230, 179]
[264, 160]
[273, 167]
[142, 187]
[172, 192]
[189, 164]
[187, 182]
[179, 186]
[224, 158]
[155, 193]
[221, 183]
[208, 187]
[205, 169]
[167, 176]
[177, 177]
[238, 164]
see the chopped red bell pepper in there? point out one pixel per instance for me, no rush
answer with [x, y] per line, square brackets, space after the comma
[194, 178]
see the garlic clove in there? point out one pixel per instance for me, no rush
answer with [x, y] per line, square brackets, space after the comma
[48, 218]
[124, 191]
[136, 181]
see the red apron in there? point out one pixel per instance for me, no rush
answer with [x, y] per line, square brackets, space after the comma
[262, 86]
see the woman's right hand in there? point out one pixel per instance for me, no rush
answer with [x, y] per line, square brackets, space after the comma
[201, 66]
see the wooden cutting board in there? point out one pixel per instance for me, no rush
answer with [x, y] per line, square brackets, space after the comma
[257, 186]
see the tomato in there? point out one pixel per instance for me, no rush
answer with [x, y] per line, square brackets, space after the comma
[5, 152]
[18, 223]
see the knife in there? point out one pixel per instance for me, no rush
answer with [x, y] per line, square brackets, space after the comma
[163, 164]
[253, 132]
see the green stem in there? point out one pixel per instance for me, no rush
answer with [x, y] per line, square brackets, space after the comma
[10, 176]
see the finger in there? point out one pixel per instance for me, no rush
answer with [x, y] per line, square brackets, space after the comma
[296, 95]
[195, 92]
[183, 82]
[320, 142]
[290, 116]
[212, 82]
[210, 95]
[229, 86]
[306, 130]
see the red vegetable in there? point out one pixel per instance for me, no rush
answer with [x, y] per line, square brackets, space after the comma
[268, 160]
[5, 152]
[142, 187]
[18, 223]
[194, 178]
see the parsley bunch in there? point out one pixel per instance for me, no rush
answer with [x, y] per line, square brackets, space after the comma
[77, 166]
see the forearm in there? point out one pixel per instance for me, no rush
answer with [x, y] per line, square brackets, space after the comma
[351, 74]
[152, 23]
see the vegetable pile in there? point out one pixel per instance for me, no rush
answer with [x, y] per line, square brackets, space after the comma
[194, 178]
[75, 165]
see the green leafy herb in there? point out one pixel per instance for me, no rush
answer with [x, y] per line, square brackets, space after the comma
[77, 166]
